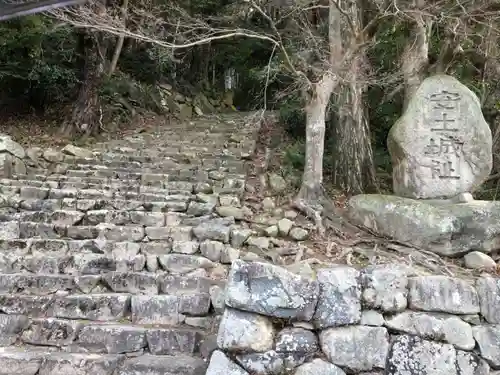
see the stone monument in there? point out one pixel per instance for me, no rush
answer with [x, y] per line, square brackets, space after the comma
[441, 150]
[442, 145]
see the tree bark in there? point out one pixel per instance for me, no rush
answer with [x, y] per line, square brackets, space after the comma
[310, 199]
[121, 39]
[354, 169]
[87, 112]
[86, 116]
[415, 57]
[312, 178]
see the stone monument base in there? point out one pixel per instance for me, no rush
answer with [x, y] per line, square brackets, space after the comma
[445, 227]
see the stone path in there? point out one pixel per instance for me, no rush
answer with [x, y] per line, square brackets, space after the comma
[115, 264]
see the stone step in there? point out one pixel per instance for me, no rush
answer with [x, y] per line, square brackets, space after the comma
[123, 156]
[173, 210]
[169, 204]
[151, 198]
[104, 171]
[196, 286]
[160, 164]
[83, 336]
[161, 309]
[171, 191]
[129, 258]
[175, 152]
[131, 232]
[174, 176]
[104, 182]
[36, 361]
[175, 256]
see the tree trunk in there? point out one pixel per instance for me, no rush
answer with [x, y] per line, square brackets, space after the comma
[353, 170]
[415, 56]
[121, 39]
[86, 116]
[310, 197]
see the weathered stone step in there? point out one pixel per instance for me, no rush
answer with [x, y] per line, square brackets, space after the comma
[190, 288]
[34, 361]
[173, 256]
[80, 336]
[122, 157]
[161, 165]
[134, 233]
[176, 192]
[98, 170]
[143, 176]
[114, 217]
[176, 257]
[175, 152]
[72, 211]
[162, 309]
[169, 204]
[173, 191]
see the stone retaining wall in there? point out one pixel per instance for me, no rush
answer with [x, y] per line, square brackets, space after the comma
[336, 320]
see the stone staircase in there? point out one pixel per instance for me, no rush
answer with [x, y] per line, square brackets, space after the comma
[114, 263]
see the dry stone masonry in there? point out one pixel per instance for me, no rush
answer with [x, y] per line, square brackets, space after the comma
[441, 150]
[383, 319]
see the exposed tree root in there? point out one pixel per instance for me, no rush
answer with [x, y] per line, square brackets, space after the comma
[314, 214]
[313, 202]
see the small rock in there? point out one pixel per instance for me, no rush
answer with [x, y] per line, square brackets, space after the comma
[229, 200]
[229, 254]
[212, 250]
[471, 364]
[277, 183]
[217, 297]
[272, 231]
[291, 214]
[53, 155]
[77, 151]
[258, 242]
[228, 211]
[216, 175]
[284, 226]
[299, 234]
[239, 236]
[477, 259]
[268, 204]
[7, 144]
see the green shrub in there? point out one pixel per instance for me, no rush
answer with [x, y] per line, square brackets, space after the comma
[293, 120]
